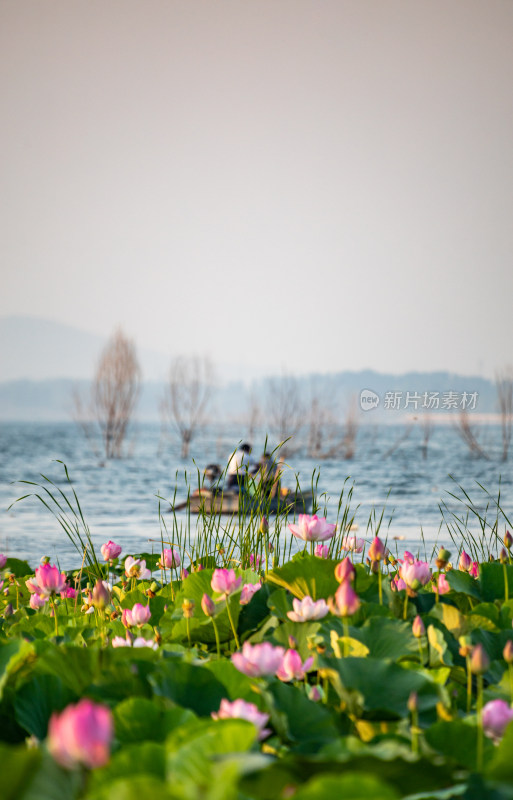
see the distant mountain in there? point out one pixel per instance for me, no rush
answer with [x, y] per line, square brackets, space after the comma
[51, 400]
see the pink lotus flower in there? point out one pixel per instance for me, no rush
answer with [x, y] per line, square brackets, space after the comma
[353, 544]
[259, 659]
[138, 615]
[69, 593]
[239, 709]
[110, 550]
[224, 581]
[474, 570]
[345, 570]
[322, 551]
[312, 529]
[3, 560]
[184, 574]
[496, 717]
[136, 568]
[397, 584]
[306, 609]
[346, 602]
[81, 735]
[32, 586]
[377, 550]
[408, 558]
[315, 693]
[36, 601]
[248, 591]
[292, 668]
[508, 540]
[207, 605]
[415, 574]
[465, 562]
[49, 580]
[254, 561]
[442, 585]
[118, 641]
[170, 558]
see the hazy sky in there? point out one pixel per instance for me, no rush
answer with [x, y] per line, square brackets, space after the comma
[313, 184]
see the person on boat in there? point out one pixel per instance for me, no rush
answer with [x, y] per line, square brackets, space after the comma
[267, 477]
[238, 466]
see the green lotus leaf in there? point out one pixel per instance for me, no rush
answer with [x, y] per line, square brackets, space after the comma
[308, 575]
[138, 719]
[351, 786]
[37, 699]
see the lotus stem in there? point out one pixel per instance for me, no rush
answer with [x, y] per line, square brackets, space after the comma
[231, 623]
[346, 636]
[469, 685]
[506, 585]
[405, 607]
[380, 587]
[479, 755]
[216, 632]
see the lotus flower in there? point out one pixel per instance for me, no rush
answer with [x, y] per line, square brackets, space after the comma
[292, 668]
[496, 717]
[306, 609]
[170, 558]
[259, 659]
[415, 574]
[397, 584]
[248, 591]
[3, 560]
[377, 550]
[322, 551]
[110, 550]
[239, 709]
[119, 641]
[49, 580]
[465, 562]
[345, 570]
[136, 568]
[346, 602]
[353, 544]
[225, 581]
[139, 615]
[442, 585]
[255, 561]
[81, 735]
[474, 570]
[36, 601]
[70, 593]
[312, 529]
[508, 540]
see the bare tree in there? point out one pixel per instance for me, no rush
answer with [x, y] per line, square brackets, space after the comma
[190, 388]
[114, 394]
[504, 386]
[285, 410]
[427, 429]
[466, 431]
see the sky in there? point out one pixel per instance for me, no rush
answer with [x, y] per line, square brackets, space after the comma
[305, 185]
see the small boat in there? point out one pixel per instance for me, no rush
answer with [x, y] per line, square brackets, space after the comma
[233, 501]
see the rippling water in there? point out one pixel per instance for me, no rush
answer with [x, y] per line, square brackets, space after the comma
[119, 500]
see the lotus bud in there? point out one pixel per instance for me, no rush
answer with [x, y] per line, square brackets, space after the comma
[377, 550]
[100, 595]
[264, 526]
[44, 560]
[508, 540]
[292, 643]
[503, 556]
[3, 560]
[479, 661]
[442, 559]
[315, 693]
[126, 617]
[465, 643]
[418, 628]
[270, 547]
[345, 570]
[188, 608]
[8, 610]
[491, 558]
[413, 702]
[465, 562]
[507, 653]
[207, 605]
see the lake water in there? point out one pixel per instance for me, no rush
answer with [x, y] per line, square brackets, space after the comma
[119, 500]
